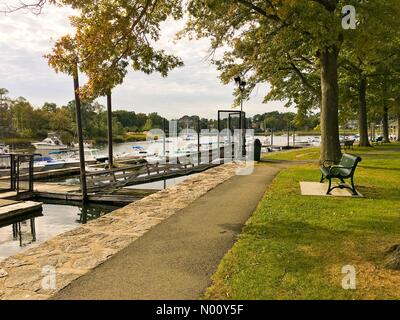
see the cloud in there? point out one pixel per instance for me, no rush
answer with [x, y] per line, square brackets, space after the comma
[192, 89]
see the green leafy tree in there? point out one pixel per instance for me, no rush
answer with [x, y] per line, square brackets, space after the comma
[5, 115]
[293, 45]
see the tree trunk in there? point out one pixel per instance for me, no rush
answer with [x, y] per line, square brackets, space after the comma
[398, 126]
[362, 112]
[385, 114]
[330, 144]
[110, 131]
[385, 123]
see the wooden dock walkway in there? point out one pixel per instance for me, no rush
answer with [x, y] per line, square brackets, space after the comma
[111, 186]
[72, 193]
[17, 209]
[15, 212]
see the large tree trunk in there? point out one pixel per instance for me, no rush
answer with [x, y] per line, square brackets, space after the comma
[385, 123]
[385, 114]
[398, 126]
[330, 144]
[362, 112]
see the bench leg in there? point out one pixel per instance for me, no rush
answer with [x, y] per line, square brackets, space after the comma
[355, 193]
[322, 179]
[330, 187]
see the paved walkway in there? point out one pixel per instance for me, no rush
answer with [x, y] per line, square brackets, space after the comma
[176, 259]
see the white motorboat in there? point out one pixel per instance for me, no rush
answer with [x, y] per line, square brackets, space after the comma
[94, 155]
[47, 163]
[86, 144]
[90, 156]
[52, 142]
[4, 161]
[153, 159]
[4, 149]
[138, 152]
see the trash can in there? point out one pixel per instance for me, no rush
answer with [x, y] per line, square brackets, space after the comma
[257, 150]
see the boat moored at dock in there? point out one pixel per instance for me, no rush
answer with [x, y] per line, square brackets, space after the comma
[52, 142]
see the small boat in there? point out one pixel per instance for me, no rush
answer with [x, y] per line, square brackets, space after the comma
[4, 149]
[52, 142]
[138, 152]
[86, 144]
[4, 161]
[189, 137]
[154, 159]
[41, 163]
[93, 154]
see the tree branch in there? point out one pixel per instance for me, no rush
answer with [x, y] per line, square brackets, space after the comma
[36, 8]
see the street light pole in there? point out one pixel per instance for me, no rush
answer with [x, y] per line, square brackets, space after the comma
[242, 86]
[110, 130]
[80, 134]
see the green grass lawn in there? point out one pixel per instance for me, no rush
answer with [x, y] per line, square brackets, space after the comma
[294, 247]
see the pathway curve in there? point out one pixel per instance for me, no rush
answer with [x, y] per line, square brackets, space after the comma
[176, 259]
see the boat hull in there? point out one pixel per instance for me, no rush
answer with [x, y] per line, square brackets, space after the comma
[47, 147]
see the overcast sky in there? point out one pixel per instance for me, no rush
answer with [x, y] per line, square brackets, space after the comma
[192, 89]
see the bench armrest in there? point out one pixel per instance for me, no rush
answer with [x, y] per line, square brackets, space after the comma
[324, 164]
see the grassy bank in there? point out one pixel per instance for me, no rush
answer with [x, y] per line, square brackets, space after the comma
[294, 247]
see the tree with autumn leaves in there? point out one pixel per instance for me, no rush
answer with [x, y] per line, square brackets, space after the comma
[296, 46]
[110, 36]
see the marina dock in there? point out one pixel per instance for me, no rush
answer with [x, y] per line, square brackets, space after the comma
[112, 186]
[16, 212]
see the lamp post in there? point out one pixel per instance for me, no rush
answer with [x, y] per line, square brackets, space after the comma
[241, 84]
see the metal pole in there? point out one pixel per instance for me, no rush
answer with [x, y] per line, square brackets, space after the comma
[31, 174]
[288, 135]
[80, 135]
[219, 131]
[294, 137]
[198, 142]
[243, 128]
[165, 137]
[33, 229]
[18, 176]
[272, 137]
[19, 233]
[110, 131]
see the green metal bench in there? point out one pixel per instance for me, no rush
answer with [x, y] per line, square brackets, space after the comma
[343, 170]
[348, 144]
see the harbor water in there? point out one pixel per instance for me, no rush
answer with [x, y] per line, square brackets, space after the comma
[58, 217]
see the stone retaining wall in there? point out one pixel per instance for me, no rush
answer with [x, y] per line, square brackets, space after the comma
[74, 253]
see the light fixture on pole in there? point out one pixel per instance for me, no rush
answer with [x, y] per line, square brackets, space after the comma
[242, 86]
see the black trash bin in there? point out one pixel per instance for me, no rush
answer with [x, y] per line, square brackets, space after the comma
[257, 150]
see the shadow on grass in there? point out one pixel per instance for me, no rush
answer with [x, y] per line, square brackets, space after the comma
[379, 168]
[294, 231]
[379, 193]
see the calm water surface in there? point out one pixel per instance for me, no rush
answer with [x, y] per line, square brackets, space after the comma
[56, 219]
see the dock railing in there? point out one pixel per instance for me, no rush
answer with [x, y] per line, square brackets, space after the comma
[151, 172]
[16, 173]
[6, 182]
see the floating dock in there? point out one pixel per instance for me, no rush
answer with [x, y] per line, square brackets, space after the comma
[15, 212]
[111, 186]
